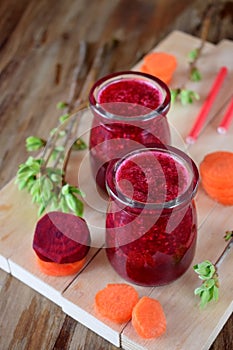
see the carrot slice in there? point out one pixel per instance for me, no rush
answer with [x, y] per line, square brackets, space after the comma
[56, 269]
[116, 302]
[218, 166]
[160, 64]
[224, 197]
[216, 171]
[148, 318]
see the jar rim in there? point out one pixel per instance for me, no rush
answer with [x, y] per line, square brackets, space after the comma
[117, 76]
[187, 195]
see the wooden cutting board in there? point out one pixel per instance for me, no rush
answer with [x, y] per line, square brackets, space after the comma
[186, 323]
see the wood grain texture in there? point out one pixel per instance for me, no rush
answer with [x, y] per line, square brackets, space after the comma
[36, 37]
[35, 316]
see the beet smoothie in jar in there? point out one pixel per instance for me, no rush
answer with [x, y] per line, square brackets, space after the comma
[151, 223]
[129, 111]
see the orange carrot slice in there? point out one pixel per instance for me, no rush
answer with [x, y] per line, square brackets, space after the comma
[116, 302]
[160, 64]
[56, 269]
[148, 318]
[216, 171]
[218, 166]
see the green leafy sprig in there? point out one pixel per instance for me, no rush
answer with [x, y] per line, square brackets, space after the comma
[207, 271]
[43, 177]
[185, 96]
[194, 72]
[209, 290]
[194, 55]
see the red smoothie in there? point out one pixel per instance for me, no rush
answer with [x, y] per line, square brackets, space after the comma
[151, 223]
[129, 112]
[134, 93]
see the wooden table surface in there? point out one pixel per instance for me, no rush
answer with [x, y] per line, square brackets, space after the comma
[39, 46]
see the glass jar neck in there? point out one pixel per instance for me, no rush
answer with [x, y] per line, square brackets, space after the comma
[181, 199]
[121, 109]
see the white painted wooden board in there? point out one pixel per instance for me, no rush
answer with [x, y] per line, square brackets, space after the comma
[80, 304]
[75, 294]
[17, 217]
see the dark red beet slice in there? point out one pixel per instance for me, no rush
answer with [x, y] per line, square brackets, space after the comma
[61, 238]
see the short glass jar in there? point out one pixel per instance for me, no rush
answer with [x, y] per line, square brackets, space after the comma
[151, 221]
[129, 112]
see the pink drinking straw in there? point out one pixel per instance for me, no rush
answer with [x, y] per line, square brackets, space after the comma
[227, 118]
[193, 135]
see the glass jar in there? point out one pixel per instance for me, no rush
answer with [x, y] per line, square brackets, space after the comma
[129, 112]
[151, 222]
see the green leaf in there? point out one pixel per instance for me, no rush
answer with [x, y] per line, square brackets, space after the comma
[193, 54]
[205, 298]
[174, 94]
[62, 133]
[23, 168]
[228, 235]
[215, 293]
[63, 118]
[80, 208]
[41, 209]
[59, 148]
[57, 151]
[79, 145]
[30, 183]
[185, 97]
[22, 176]
[74, 189]
[208, 284]
[54, 154]
[62, 105]
[26, 175]
[34, 143]
[25, 179]
[199, 290]
[36, 198]
[34, 164]
[51, 170]
[35, 189]
[56, 178]
[63, 205]
[46, 188]
[65, 189]
[71, 201]
[74, 204]
[54, 203]
[22, 184]
[195, 74]
[188, 96]
[53, 131]
[205, 269]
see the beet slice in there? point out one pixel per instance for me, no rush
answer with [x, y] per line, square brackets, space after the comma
[61, 238]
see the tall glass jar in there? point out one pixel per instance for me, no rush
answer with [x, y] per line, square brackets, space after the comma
[129, 112]
[151, 223]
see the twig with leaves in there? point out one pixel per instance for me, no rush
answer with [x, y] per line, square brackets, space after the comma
[194, 55]
[44, 177]
[207, 271]
[186, 96]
